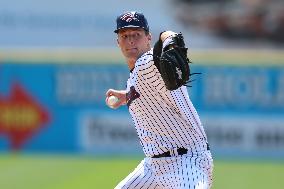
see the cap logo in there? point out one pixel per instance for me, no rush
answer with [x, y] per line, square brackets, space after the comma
[128, 17]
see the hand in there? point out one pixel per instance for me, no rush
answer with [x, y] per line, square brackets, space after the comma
[166, 34]
[121, 95]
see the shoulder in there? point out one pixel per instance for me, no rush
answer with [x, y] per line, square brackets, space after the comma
[145, 58]
[145, 61]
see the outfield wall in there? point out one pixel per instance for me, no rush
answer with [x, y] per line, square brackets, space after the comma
[53, 101]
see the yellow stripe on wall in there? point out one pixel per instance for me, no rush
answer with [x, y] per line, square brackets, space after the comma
[61, 55]
[242, 57]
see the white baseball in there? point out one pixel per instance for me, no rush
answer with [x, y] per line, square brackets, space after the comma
[112, 100]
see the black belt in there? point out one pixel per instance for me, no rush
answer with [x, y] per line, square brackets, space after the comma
[180, 151]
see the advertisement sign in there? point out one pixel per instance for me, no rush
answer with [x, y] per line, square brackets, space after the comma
[61, 108]
[40, 103]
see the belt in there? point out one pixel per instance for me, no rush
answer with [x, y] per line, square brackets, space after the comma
[180, 151]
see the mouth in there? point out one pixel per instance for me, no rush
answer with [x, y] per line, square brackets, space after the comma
[131, 49]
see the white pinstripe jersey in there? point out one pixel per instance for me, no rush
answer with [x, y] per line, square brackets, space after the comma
[163, 119]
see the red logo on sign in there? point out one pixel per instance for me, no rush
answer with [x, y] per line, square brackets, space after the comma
[20, 116]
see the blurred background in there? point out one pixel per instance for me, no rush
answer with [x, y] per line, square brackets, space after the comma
[58, 58]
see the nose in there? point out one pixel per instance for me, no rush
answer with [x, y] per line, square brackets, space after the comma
[131, 39]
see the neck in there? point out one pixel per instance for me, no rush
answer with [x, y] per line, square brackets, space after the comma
[131, 63]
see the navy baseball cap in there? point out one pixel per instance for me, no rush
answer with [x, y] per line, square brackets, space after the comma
[131, 19]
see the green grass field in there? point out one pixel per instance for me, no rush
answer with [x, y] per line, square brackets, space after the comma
[67, 172]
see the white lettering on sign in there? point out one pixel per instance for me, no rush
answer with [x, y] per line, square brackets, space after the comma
[253, 89]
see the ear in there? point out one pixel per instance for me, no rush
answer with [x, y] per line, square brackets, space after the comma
[149, 37]
[117, 42]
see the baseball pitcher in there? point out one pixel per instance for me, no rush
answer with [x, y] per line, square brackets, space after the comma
[167, 124]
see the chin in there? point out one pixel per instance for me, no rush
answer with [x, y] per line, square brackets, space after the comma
[132, 55]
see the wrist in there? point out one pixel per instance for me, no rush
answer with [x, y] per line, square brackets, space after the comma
[167, 39]
[167, 34]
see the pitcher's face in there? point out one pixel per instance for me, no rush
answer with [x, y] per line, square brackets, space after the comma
[133, 42]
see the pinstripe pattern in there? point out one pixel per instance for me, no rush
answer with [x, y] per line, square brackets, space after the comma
[191, 171]
[141, 177]
[165, 121]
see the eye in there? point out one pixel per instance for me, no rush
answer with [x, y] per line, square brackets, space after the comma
[137, 34]
[124, 36]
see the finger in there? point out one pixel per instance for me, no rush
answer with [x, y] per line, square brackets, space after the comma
[109, 92]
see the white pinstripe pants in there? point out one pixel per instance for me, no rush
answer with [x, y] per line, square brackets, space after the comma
[181, 172]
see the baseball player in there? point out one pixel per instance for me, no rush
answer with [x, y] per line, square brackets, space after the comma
[167, 124]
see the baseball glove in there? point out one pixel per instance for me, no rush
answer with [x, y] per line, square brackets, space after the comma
[172, 62]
